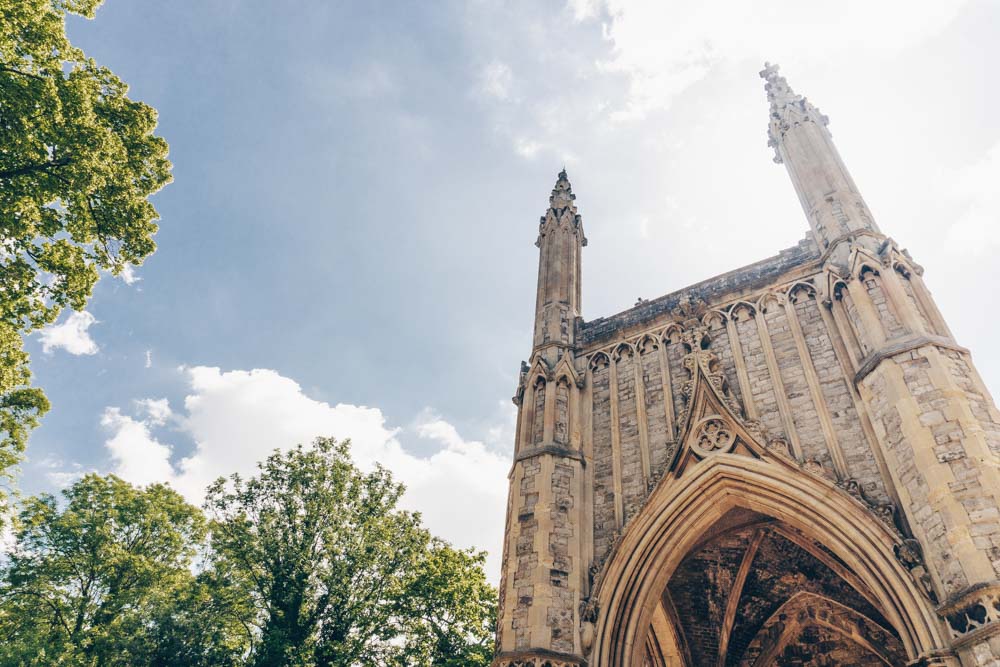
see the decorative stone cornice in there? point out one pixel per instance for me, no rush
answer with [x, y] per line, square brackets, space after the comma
[849, 237]
[903, 345]
[787, 108]
[553, 450]
[537, 658]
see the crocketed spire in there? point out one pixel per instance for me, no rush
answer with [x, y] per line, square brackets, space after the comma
[562, 194]
[788, 109]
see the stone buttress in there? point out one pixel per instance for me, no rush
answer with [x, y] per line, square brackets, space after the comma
[543, 560]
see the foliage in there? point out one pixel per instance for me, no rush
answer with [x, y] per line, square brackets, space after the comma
[339, 576]
[310, 563]
[92, 583]
[78, 163]
[450, 609]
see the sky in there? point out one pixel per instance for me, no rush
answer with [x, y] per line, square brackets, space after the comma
[347, 248]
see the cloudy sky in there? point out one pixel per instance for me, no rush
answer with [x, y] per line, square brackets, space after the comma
[347, 248]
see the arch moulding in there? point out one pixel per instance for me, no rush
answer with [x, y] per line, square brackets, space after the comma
[681, 510]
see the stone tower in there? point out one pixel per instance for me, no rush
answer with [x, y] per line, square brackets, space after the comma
[793, 463]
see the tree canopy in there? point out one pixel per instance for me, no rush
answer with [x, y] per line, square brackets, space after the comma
[87, 581]
[78, 163]
[338, 575]
[309, 562]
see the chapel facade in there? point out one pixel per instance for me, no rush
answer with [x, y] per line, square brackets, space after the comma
[793, 463]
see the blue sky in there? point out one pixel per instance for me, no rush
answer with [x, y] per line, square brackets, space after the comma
[347, 247]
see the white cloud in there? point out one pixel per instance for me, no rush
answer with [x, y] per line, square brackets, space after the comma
[237, 418]
[157, 410]
[139, 457]
[527, 148]
[61, 479]
[128, 275]
[149, 358]
[665, 47]
[496, 79]
[584, 9]
[71, 335]
[58, 473]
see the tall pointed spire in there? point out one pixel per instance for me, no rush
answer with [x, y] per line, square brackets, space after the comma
[787, 108]
[560, 238]
[562, 198]
[798, 133]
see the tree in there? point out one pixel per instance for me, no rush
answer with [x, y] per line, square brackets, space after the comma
[450, 609]
[78, 163]
[107, 581]
[340, 576]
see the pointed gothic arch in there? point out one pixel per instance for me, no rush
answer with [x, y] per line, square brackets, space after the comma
[682, 509]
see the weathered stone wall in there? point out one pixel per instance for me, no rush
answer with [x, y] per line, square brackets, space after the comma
[675, 367]
[795, 382]
[886, 313]
[561, 433]
[762, 389]
[559, 616]
[804, 416]
[538, 414]
[656, 416]
[604, 483]
[934, 413]
[835, 387]
[633, 486]
[527, 556]
[722, 347]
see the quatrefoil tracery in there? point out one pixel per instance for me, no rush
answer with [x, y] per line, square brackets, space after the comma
[714, 434]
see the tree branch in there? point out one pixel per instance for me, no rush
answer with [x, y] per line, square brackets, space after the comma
[30, 168]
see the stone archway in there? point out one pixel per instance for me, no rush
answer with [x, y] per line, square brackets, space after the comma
[686, 512]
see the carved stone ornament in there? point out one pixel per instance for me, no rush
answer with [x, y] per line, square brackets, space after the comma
[815, 467]
[713, 435]
[544, 660]
[589, 610]
[778, 446]
[884, 512]
[689, 308]
[703, 361]
[911, 556]
[972, 610]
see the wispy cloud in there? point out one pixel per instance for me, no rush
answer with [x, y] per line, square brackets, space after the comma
[128, 275]
[496, 79]
[665, 47]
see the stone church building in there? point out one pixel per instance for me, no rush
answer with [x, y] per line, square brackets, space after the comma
[793, 463]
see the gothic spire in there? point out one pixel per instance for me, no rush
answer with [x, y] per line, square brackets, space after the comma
[562, 194]
[801, 141]
[787, 108]
[560, 238]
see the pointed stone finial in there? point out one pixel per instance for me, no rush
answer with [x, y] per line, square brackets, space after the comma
[788, 109]
[562, 194]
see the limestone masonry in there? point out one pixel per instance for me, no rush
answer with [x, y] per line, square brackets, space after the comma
[793, 463]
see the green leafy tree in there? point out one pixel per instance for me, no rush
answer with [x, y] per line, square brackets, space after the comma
[449, 609]
[106, 580]
[78, 163]
[338, 575]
